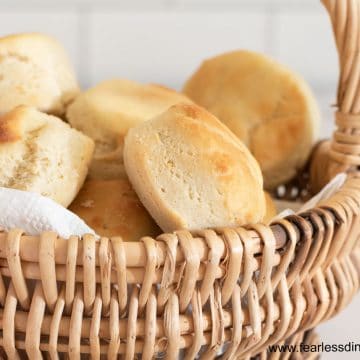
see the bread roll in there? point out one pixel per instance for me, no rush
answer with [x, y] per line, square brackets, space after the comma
[41, 153]
[108, 166]
[191, 172]
[107, 111]
[35, 71]
[271, 211]
[271, 109]
[111, 208]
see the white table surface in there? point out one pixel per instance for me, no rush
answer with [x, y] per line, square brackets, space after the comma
[342, 329]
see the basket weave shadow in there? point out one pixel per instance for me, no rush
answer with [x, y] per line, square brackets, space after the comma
[236, 290]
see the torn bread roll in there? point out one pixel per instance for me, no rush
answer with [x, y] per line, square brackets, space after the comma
[270, 108]
[112, 208]
[107, 111]
[35, 70]
[190, 171]
[42, 154]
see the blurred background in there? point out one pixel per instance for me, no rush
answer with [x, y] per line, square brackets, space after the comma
[164, 41]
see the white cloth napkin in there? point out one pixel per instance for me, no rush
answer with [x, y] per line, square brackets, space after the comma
[34, 214]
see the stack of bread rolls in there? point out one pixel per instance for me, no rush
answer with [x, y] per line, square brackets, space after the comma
[134, 160]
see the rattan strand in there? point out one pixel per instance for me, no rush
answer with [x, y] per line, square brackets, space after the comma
[286, 310]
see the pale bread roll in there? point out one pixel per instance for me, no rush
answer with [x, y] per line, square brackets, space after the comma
[270, 108]
[111, 208]
[107, 111]
[191, 172]
[271, 210]
[35, 71]
[41, 153]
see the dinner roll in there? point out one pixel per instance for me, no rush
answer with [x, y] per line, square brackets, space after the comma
[107, 111]
[108, 166]
[111, 208]
[270, 108]
[41, 153]
[271, 211]
[35, 71]
[190, 171]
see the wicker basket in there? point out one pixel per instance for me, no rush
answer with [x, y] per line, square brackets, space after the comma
[231, 290]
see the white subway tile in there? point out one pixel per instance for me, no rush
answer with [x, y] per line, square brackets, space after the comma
[62, 25]
[304, 41]
[246, 3]
[167, 47]
[326, 98]
[240, 3]
[97, 4]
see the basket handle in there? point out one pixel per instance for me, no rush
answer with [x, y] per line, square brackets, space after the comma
[345, 143]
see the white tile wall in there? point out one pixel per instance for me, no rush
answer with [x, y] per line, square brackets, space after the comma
[166, 46]
[305, 42]
[113, 38]
[165, 40]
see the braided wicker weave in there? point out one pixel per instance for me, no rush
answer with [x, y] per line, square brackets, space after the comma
[231, 290]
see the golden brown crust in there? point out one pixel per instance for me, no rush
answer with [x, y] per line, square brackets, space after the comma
[194, 112]
[112, 208]
[15, 123]
[10, 126]
[267, 106]
[41, 153]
